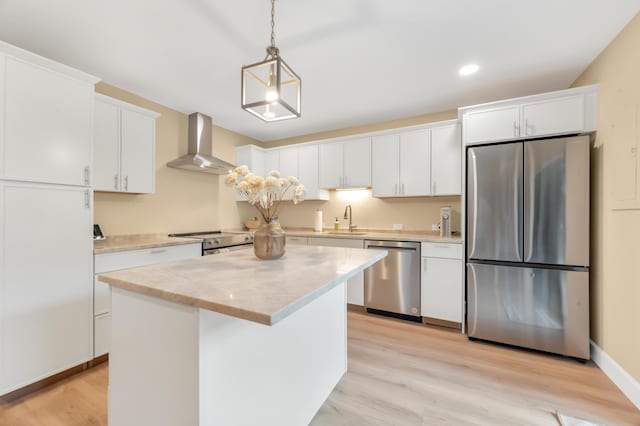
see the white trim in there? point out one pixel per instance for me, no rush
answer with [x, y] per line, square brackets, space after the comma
[623, 380]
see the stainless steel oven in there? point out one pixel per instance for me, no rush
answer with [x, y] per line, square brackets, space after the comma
[215, 242]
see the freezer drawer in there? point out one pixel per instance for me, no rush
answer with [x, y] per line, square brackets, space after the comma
[544, 309]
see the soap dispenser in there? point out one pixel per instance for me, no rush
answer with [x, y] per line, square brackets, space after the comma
[336, 225]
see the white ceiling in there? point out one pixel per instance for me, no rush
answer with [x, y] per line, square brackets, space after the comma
[361, 61]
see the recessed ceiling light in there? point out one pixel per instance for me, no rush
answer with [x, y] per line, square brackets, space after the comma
[469, 69]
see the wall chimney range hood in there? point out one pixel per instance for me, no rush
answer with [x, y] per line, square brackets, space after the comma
[199, 157]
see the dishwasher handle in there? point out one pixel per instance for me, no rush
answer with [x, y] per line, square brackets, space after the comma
[391, 248]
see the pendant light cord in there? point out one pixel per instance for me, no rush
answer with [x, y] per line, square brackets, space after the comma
[272, 50]
[273, 23]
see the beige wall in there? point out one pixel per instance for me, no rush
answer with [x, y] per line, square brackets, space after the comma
[373, 213]
[415, 214]
[615, 236]
[183, 201]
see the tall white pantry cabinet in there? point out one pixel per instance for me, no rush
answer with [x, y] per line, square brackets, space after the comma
[46, 215]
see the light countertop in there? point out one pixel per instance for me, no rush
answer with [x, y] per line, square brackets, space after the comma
[240, 285]
[373, 234]
[137, 242]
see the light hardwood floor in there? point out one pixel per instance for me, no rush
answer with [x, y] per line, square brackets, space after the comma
[399, 374]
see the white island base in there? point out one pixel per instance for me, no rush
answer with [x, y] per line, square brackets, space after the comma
[177, 365]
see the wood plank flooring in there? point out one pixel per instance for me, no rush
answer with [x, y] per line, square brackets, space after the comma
[399, 374]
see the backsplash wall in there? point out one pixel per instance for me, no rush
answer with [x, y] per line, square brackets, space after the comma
[416, 214]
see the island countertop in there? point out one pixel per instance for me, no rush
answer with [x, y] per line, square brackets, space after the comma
[240, 285]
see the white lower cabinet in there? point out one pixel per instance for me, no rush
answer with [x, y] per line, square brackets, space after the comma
[46, 294]
[355, 285]
[442, 295]
[108, 262]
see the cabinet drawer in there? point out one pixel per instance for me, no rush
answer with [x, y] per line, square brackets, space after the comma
[101, 335]
[101, 297]
[106, 262]
[335, 242]
[442, 250]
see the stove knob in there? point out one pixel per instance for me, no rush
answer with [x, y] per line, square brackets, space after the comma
[216, 241]
[247, 238]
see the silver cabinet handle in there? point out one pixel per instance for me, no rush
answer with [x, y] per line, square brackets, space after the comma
[87, 199]
[395, 189]
[402, 188]
[158, 251]
[526, 127]
[126, 183]
[434, 187]
[86, 175]
[115, 181]
[515, 128]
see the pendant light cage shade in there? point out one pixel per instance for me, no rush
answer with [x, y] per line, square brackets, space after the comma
[271, 90]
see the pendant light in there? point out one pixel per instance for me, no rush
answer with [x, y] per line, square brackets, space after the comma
[270, 89]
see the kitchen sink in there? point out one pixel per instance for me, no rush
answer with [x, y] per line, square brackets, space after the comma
[346, 233]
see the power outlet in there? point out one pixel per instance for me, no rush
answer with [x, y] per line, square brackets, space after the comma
[398, 226]
[435, 227]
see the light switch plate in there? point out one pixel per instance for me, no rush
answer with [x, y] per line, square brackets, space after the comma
[398, 226]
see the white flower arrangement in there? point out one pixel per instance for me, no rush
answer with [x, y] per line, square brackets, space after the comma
[265, 193]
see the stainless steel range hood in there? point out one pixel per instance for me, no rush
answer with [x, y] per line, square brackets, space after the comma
[199, 157]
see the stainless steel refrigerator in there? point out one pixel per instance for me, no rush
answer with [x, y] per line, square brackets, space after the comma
[527, 275]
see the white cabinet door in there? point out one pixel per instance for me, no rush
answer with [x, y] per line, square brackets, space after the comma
[271, 161]
[252, 157]
[138, 152]
[385, 163]
[308, 172]
[106, 147]
[491, 125]
[102, 335]
[355, 284]
[289, 162]
[441, 290]
[289, 167]
[555, 116]
[48, 119]
[330, 159]
[446, 160]
[47, 285]
[357, 163]
[415, 163]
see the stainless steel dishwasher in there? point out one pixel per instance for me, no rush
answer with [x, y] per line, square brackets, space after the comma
[392, 286]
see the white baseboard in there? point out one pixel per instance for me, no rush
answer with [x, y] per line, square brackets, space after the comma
[623, 380]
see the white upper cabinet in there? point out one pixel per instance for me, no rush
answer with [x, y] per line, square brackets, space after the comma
[345, 164]
[415, 163]
[492, 125]
[446, 164]
[124, 146]
[138, 152]
[330, 159]
[300, 161]
[418, 163]
[553, 116]
[385, 162]
[46, 120]
[563, 112]
[308, 172]
[401, 164]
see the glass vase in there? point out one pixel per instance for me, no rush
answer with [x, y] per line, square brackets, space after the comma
[269, 241]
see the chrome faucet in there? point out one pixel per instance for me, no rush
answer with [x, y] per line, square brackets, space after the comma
[348, 214]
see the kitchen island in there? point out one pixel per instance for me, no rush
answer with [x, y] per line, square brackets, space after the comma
[230, 339]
